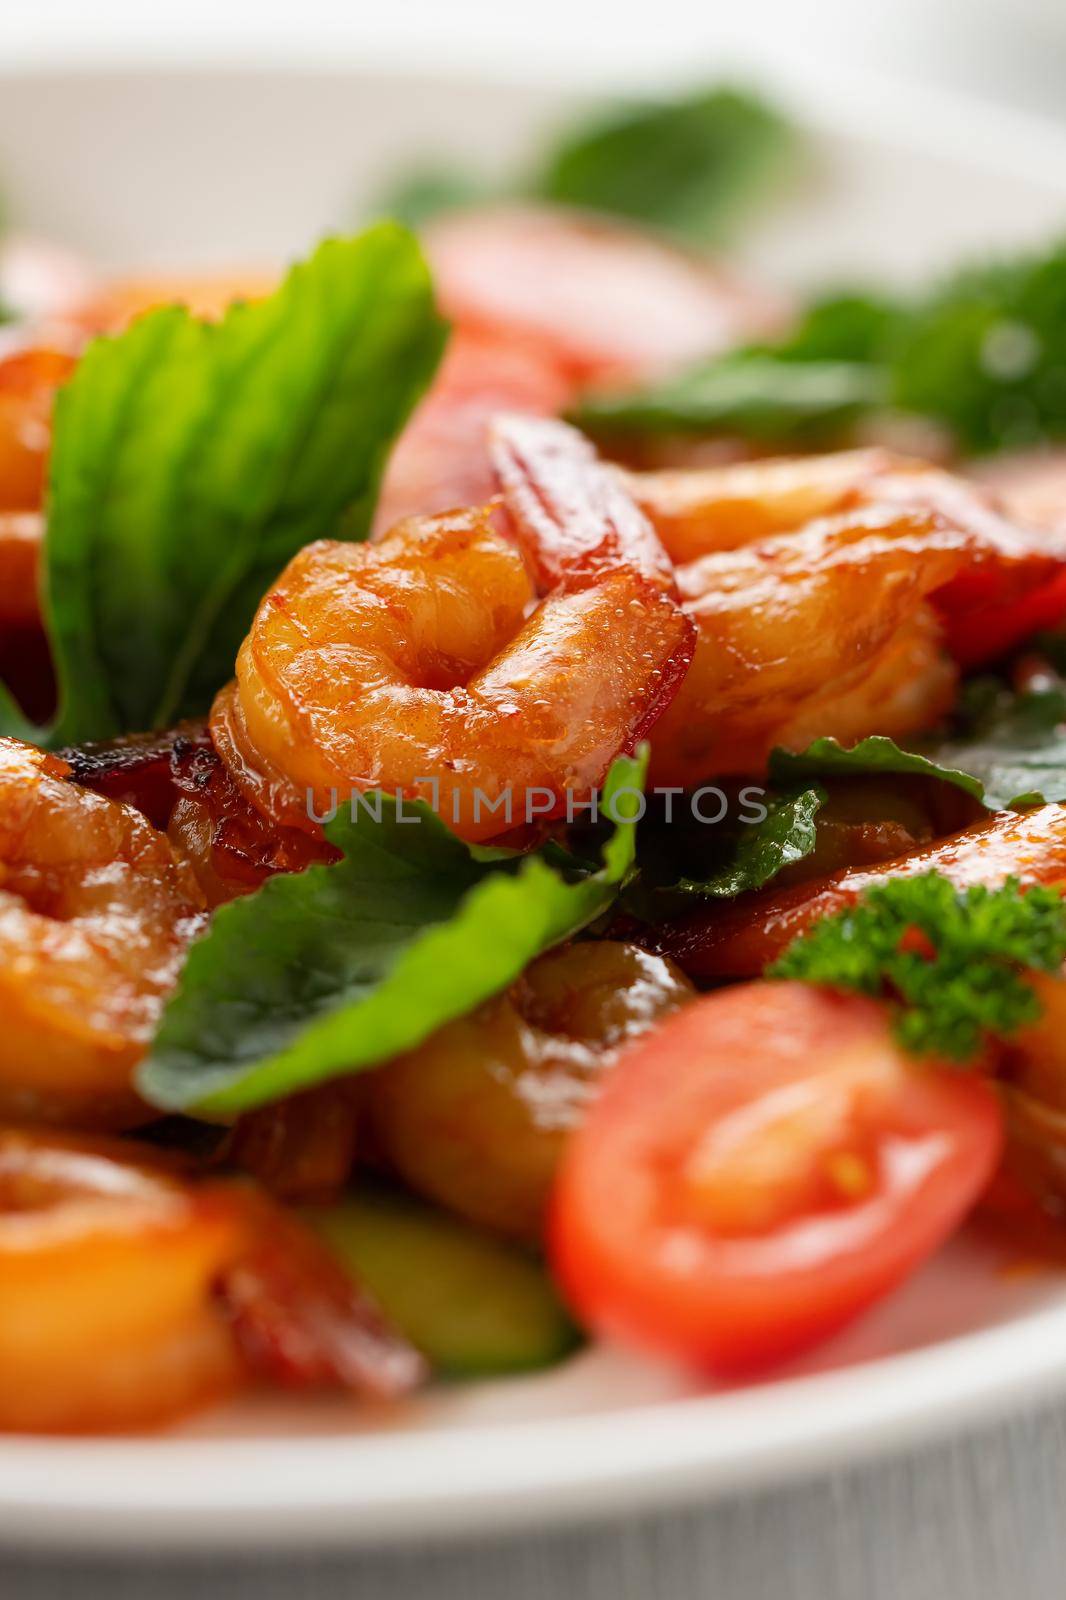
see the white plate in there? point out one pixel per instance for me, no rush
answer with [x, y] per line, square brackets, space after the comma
[192, 167]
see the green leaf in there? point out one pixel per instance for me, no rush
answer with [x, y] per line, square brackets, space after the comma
[826, 758]
[982, 355]
[337, 968]
[985, 354]
[962, 981]
[1012, 753]
[13, 725]
[803, 389]
[757, 395]
[685, 854]
[685, 166]
[192, 460]
[689, 167]
[424, 192]
[1016, 749]
[760, 850]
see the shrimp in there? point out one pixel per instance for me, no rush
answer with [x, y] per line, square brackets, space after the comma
[96, 914]
[131, 1295]
[410, 665]
[476, 1117]
[756, 929]
[839, 621]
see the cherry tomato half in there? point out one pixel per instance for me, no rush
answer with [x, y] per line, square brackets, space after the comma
[760, 1169]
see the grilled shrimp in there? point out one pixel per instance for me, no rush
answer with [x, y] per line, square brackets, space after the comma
[743, 939]
[95, 916]
[130, 1294]
[475, 1118]
[822, 598]
[411, 665]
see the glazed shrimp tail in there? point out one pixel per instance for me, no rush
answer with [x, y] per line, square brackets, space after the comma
[756, 929]
[574, 519]
[413, 665]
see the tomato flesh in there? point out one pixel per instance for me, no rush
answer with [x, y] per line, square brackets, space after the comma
[758, 1171]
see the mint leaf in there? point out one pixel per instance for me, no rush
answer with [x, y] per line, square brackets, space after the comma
[961, 980]
[686, 166]
[335, 969]
[192, 460]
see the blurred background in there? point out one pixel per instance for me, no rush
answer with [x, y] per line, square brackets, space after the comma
[1010, 50]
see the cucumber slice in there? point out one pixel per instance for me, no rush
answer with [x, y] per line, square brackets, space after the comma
[473, 1306]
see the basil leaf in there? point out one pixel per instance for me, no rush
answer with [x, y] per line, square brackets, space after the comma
[13, 724]
[985, 353]
[806, 388]
[427, 191]
[763, 849]
[982, 355]
[335, 969]
[1016, 749]
[826, 758]
[192, 460]
[757, 395]
[684, 166]
[687, 167]
[1012, 755]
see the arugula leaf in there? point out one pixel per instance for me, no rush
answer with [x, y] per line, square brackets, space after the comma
[191, 460]
[952, 962]
[335, 969]
[1012, 754]
[982, 355]
[688, 166]
[684, 166]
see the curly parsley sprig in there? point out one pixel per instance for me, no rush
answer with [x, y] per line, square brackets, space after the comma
[952, 962]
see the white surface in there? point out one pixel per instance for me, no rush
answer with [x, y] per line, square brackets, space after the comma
[1013, 50]
[176, 168]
